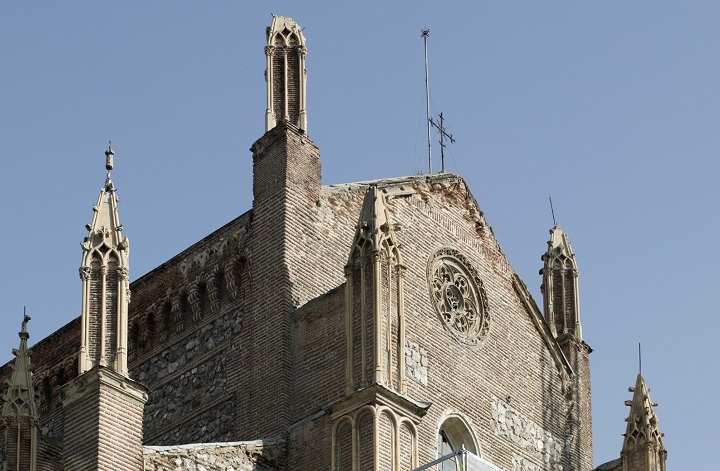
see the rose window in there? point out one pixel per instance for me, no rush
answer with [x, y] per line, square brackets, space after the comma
[458, 296]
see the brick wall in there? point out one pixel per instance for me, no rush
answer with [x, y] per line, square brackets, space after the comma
[514, 364]
[286, 183]
[255, 313]
[103, 422]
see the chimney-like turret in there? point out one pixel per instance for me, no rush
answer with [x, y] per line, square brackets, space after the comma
[103, 407]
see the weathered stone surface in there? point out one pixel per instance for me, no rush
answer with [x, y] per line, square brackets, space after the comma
[525, 433]
[261, 455]
[212, 425]
[186, 378]
[416, 362]
[521, 464]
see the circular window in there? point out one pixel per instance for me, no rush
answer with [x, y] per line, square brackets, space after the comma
[458, 295]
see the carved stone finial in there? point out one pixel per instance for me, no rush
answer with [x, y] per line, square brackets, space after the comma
[109, 154]
[23, 331]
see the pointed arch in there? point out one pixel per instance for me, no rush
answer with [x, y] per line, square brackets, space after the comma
[455, 430]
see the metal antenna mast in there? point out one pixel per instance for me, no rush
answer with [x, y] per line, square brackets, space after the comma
[443, 135]
[425, 33]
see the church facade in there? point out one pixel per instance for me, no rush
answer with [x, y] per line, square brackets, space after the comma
[366, 326]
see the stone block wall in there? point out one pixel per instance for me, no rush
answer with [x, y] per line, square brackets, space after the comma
[190, 397]
[233, 456]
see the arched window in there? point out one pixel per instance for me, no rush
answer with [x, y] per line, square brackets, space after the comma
[445, 447]
[454, 433]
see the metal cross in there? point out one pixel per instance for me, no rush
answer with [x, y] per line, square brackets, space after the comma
[443, 135]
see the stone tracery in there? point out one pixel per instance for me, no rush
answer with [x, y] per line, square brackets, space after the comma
[458, 295]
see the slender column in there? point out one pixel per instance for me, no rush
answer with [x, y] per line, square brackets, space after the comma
[302, 119]
[83, 363]
[401, 328]
[269, 113]
[286, 111]
[563, 293]
[549, 292]
[349, 328]
[388, 333]
[363, 313]
[103, 310]
[121, 355]
[377, 307]
[576, 288]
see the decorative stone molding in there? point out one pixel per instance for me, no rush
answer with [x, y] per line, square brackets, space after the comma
[195, 301]
[103, 378]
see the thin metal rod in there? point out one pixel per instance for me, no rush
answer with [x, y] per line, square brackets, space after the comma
[440, 460]
[552, 211]
[425, 33]
[640, 357]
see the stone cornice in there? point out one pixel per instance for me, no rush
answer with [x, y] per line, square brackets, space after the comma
[378, 394]
[103, 378]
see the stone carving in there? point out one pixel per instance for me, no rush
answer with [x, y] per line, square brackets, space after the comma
[416, 362]
[458, 295]
[511, 424]
[198, 264]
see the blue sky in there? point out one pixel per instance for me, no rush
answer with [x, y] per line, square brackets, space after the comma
[611, 108]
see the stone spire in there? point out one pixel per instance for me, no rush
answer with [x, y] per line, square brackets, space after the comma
[285, 74]
[643, 448]
[105, 289]
[560, 287]
[19, 413]
[103, 401]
